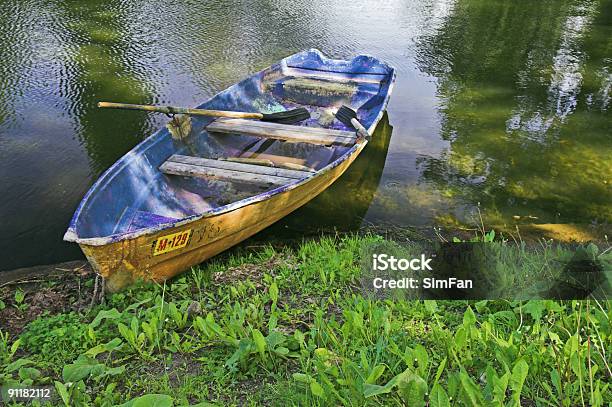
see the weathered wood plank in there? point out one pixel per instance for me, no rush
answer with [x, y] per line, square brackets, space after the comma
[239, 166]
[247, 160]
[269, 163]
[190, 170]
[285, 132]
[294, 166]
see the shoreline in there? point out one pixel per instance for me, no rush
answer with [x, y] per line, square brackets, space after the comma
[564, 233]
[11, 276]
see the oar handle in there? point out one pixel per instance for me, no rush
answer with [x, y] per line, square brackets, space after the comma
[362, 133]
[181, 110]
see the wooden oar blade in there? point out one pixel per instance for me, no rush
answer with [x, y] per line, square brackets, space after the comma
[288, 116]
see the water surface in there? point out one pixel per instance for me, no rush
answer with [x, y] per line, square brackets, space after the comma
[502, 106]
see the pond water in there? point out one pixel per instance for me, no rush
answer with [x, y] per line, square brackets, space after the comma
[501, 106]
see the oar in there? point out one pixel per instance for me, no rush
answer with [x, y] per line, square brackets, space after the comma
[348, 117]
[287, 117]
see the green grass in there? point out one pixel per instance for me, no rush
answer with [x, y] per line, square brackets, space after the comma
[291, 327]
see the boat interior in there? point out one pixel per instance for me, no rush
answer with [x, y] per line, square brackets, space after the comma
[216, 162]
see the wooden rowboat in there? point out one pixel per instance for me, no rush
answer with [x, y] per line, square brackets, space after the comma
[170, 203]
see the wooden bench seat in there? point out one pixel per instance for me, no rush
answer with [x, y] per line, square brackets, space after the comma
[285, 132]
[230, 170]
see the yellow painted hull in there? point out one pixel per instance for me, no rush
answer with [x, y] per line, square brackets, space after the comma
[122, 263]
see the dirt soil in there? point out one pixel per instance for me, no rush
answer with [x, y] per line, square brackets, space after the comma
[49, 289]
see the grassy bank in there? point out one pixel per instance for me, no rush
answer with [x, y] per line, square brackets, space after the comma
[291, 327]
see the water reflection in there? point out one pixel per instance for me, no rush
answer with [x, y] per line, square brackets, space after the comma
[101, 71]
[502, 103]
[524, 91]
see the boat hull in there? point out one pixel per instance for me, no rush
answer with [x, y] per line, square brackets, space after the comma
[124, 262]
[141, 221]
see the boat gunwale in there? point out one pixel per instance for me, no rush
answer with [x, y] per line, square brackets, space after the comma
[108, 175]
